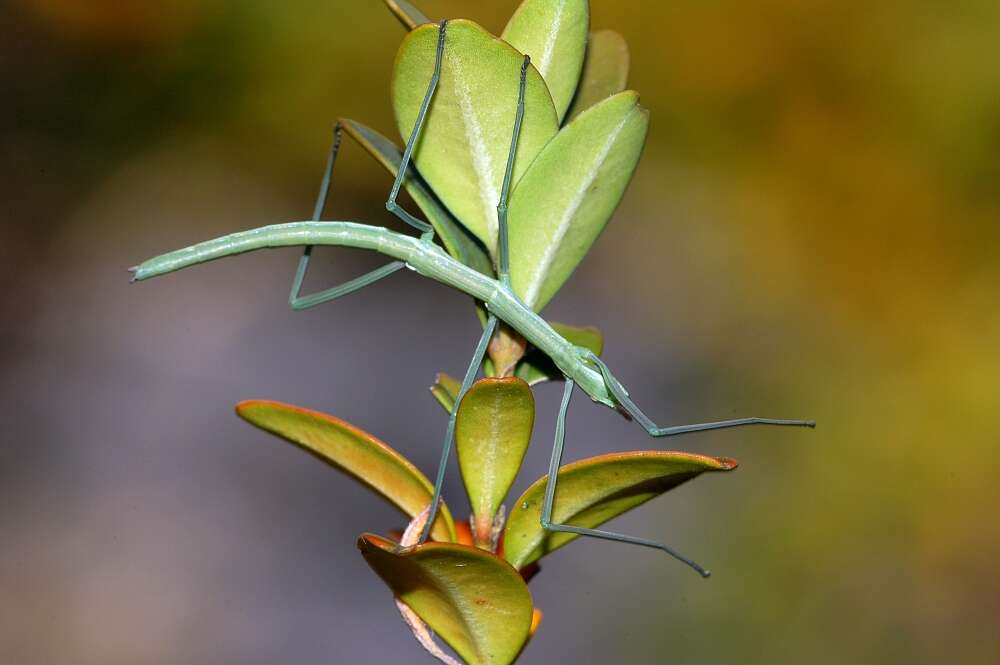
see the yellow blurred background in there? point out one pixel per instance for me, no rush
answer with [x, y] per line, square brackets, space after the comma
[813, 231]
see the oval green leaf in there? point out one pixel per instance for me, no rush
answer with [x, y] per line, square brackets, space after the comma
[538, 367]
[605, 70]
[407, 14]
[463, 147]
[592, 491]
[492, 433]
[475, 601]
[569, 193]
[554, 34]
[353, 451]
[457, 240]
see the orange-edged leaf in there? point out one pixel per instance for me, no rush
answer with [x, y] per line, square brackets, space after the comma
[536, 620]
[475, 601]
[353, 451]
[592, 491]
[492, 433]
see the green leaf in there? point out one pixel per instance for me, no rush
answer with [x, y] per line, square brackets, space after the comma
[492, 433]
[605, 70]
[353, 451]
[407, 14]
[458, 241]
[538, 367]
[463, 147]
[445, 390]
[554, 34]
[569, 193]
[475, 601]
[592, 491]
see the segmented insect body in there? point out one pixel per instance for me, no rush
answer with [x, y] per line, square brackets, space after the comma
[579, 366]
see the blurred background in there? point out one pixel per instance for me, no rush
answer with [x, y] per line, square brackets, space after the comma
[812, 232]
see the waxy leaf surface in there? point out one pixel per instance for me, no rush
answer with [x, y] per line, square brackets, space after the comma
[492, 433]
[473, 600]
[569, 193]
[592, 491]
[463, 148]
[605, 70]
[554, 34]
[537, 367]
[353, 451]
[457, 240]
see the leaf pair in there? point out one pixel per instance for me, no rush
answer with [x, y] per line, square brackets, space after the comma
[589, 492]
[476, 601]
[567, 182]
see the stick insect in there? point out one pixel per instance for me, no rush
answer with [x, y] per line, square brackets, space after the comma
[580, 366]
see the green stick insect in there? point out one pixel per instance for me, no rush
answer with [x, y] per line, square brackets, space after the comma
[579, 366]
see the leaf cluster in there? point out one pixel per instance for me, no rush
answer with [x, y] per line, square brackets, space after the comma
[580, 142]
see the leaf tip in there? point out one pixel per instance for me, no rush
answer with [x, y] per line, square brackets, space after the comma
[371, 541]
[244, 408]
[727, 463]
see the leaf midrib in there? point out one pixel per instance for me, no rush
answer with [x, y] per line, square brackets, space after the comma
[482, 161]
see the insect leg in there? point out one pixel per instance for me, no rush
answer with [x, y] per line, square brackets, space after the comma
[550, 493]
[426, 230]
[630, 407]
[470, 375]
[299, 302]
[503, 243]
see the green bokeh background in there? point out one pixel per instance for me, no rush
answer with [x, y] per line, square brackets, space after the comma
[813, 231]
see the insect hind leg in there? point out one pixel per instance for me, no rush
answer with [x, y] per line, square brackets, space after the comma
[300, 302]
[621, 396]
[550, 492]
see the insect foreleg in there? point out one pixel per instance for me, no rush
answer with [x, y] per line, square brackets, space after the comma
[470, 375]
[618, 391]
[503, 242]
[550, 493]
[299, 302]
[426, 230]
